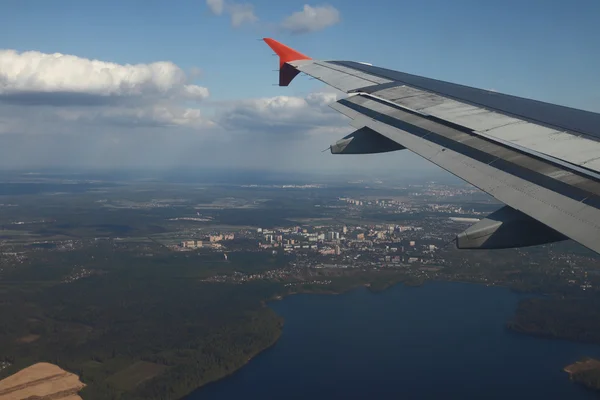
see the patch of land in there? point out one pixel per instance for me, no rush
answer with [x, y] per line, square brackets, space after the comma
[585, 372]
[28, 338]
[583, 365]
[135, 374]
[41, 381]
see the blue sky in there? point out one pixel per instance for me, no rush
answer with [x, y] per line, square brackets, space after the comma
[548, 50]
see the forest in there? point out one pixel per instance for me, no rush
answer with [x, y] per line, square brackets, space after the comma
[172, 334]
[573, 318]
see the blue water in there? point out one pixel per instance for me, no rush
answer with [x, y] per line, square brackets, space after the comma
[441, 340]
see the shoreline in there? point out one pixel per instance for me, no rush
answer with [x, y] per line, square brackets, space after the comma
[368, 285]
[281, 297]
[264, 303]
[237, 369]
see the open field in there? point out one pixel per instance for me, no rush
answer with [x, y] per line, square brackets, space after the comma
[41, 381]
[135, 374]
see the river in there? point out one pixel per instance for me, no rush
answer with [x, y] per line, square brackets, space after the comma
[440, 340]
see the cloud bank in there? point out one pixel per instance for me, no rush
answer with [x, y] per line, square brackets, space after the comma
[66, 88]
[283, 117]
[158, 125]
[60, 110]
[282, 132]
[49, 93]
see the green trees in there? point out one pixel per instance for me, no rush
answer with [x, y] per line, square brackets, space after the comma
[101, 325]
[573, 318]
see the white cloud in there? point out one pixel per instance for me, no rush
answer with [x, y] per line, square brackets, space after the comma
[283, 117]
[216, 6]
[158, 115]
[65, 110]
[70, 93]
[34, 72]
[281, 133]
[194, 92]
[322, 99]
[140, 119]
[311, 19]
[82, 94]
[239, 13]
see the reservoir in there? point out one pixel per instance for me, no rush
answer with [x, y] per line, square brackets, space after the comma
[440, 340]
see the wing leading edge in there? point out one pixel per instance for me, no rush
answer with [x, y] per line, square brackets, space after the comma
[539, 159]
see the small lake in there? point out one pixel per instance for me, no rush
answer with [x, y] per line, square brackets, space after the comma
[440, 340]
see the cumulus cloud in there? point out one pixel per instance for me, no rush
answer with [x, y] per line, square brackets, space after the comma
[66, 89]
[31, 72]
[239, 13]
[284, 117]
[242, 14]
[311, 19]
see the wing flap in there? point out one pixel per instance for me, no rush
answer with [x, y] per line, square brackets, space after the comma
[364, 140]
[506, 228]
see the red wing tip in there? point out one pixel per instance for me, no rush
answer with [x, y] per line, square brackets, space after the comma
[285, 53]
[271, 41]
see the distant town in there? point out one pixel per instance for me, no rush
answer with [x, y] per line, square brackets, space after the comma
[419, 247]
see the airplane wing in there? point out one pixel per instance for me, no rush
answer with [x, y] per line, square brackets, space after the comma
[541, 160]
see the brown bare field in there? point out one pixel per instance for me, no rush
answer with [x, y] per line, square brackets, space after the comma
[41, 381]
[28, 339]
[129, 378]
